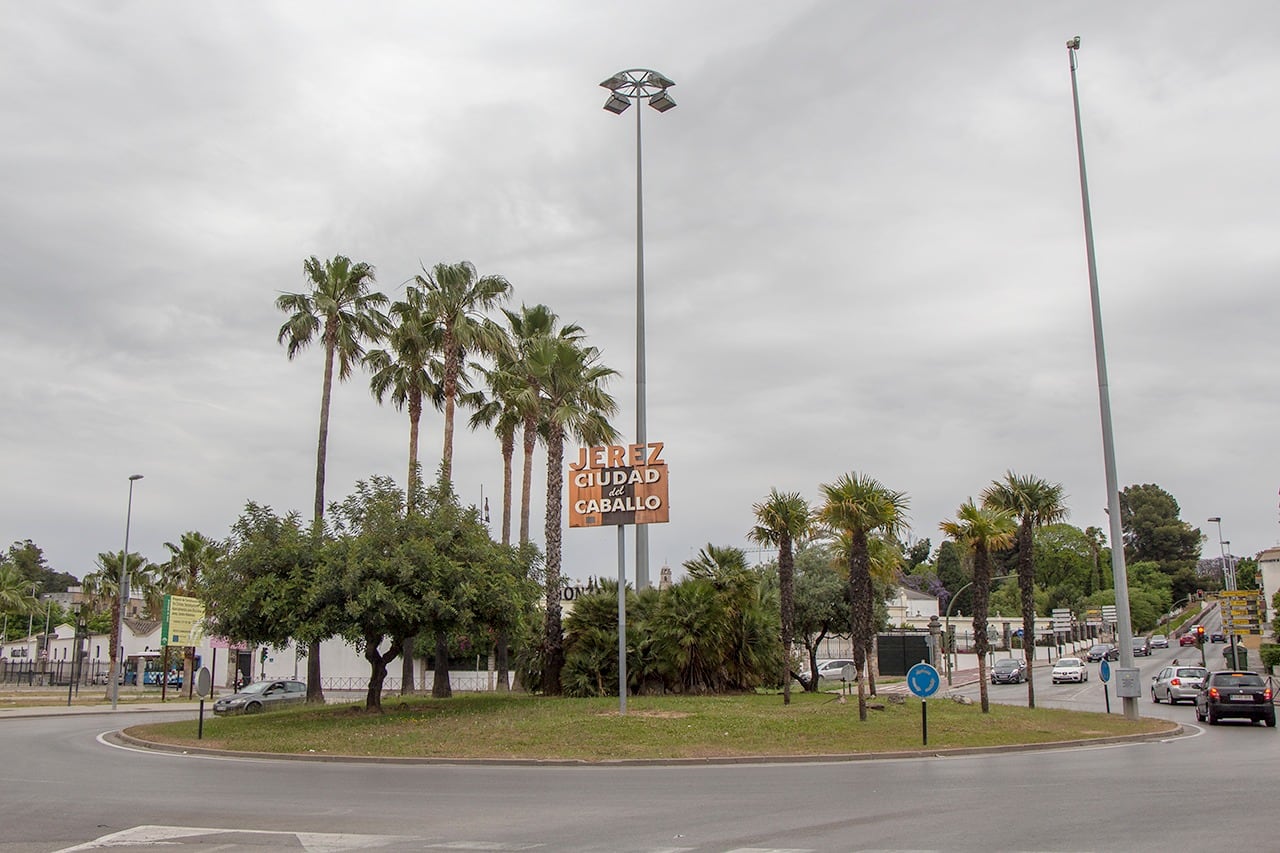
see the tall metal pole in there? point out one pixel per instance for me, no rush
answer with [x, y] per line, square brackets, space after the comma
[642, 530]
[639, 86]
[117, 667]
[1104, 403]
[32, 612]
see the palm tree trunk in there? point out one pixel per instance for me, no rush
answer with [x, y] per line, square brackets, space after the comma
[415, 416]
[452, 366]
[786, 585]
[508, 451]
[1026, 586]
[981, 604]
[526, 483]
[553, 633]
[322, 446]
[860, 613]
[115, 643]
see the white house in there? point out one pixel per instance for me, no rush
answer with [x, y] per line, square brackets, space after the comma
[909, 604]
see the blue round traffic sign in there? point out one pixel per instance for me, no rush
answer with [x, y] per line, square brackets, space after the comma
[923, 680]
[1104, 671]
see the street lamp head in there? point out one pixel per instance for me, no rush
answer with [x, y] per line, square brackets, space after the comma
[662, 101]
[617, 104]
[614, 83]
[135, 476]
[1216, 519]
[1073, 44]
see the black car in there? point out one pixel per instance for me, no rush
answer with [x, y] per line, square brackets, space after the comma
[1102, 651]
[1235, 693]
[1141, 648]
[1009, 671]
[1217, 637]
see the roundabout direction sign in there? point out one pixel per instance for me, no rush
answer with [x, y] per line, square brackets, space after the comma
[923, 681]
[1104, 672]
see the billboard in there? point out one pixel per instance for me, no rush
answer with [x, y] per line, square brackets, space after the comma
[618, 484]
[180, 623]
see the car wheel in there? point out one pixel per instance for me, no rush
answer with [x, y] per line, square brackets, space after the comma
[1154, 698]
[253, 707]
[1270, 721]
[1199, 716]
[1213, 718]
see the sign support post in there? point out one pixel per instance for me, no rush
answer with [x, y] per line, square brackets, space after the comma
[923, 680]
[622, 620]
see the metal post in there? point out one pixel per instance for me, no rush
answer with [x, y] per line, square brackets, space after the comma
[622, 620]
[117, 668]
[1119, 574]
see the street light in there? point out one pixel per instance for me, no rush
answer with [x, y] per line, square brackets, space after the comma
[1104, 404]
[639, 85]
[1228, 570]
[124, 599]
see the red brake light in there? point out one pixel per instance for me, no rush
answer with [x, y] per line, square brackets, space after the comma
[1266, 694]
[1213, 693]
[1175, 682]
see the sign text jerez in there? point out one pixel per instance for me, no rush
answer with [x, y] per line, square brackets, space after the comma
[618, 484]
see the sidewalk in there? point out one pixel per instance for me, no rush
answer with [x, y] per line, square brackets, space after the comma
[63, 710]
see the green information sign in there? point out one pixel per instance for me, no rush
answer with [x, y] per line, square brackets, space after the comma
[180, 624]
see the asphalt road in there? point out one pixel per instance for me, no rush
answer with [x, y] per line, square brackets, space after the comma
[64, 789]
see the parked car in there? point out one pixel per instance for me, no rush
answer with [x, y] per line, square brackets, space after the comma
[1175, 683]
[1141, 647]
[828, 668]
[1188, 639]
[261, 696]
[1235, 693]
[1102, 651]
[1217, 637]
[1069, 669]
[1159, 641]
[1009, 671]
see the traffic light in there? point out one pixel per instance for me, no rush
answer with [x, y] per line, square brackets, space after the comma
[1200, 633]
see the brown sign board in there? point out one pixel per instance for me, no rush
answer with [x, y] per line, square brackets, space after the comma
[618, 484]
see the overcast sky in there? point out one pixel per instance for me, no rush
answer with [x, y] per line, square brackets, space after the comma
[864, 248]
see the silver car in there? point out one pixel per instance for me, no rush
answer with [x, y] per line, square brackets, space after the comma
[1175, 683]
[261, 696]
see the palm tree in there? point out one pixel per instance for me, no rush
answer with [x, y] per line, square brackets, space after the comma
[982, 530]
[409, 370]
[782, 519]
[345, 313]
[859, 505]
[194, 554]
[181, 574]
[104, 583]
[15, 590]
[571, 382]
[884, 561]
[1035, 502]
[455, 300]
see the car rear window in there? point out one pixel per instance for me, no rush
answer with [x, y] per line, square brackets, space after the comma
[1237, 679]
[1190, 673]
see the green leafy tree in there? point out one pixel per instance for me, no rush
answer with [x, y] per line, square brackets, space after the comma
[345, 314]
[954, 575]
[981, 530]
[1246, 575]
[1035, 503]
[821, 603]
[267, 590]
[1154, 532]
[859, 505]
[782, 519]
[455, 299]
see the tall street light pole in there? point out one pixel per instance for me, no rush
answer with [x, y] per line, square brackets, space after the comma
[639, 85]
[1228, 572]
[116, 668]
[1104, 405]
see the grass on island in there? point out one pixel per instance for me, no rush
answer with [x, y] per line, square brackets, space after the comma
[520, 726]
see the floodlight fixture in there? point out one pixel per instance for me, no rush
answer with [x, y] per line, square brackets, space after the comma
[661, 101]
[617, 104]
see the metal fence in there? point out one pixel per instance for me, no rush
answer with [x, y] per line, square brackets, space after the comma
[57, 673]
[474, 681]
